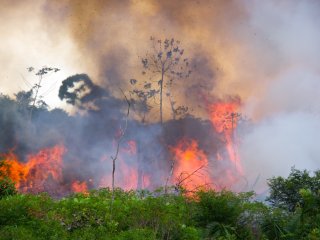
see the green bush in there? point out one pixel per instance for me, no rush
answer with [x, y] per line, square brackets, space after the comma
[136, 234]
[7, 187]
[155, 215]
[217, 207]
[16, 233]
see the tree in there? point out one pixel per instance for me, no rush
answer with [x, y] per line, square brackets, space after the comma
[286, 192]
[115, 157]
[36, 87]
[164, 61]
[140, 96]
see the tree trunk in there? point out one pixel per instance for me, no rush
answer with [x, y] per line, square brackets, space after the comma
[172, 107]
[140, 166]
[161, 91]
[36, 96]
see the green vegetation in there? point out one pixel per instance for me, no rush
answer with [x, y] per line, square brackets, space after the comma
[156, 215]
[7, 187]
[292, 211]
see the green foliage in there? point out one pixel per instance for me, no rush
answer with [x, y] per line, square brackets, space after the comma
[314, 234]
[274, 223]
[7, 187]
[217, 207]
[219, 214]
[154, 215]
[134, 215]
[285, 192]
[296, 206]
[136, 234]
[16, 233]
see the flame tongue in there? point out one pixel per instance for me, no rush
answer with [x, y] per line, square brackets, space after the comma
[224, 118]
[78, 186]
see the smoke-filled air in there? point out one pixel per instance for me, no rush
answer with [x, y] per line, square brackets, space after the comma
[142, 94]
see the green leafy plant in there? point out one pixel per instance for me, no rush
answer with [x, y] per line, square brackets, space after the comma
[7, 187]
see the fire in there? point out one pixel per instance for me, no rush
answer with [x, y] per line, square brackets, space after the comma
[130, 148]
[79, 187]
[126, 175]
[189, 165]
[224, 118]
[129, 176]
[41, 169]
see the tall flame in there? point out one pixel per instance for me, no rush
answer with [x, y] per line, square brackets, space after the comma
[224, 117]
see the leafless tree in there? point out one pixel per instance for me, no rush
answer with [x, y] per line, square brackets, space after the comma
[122, 132]
[164, 64]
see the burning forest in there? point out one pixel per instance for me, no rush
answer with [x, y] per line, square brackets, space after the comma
[52, 151]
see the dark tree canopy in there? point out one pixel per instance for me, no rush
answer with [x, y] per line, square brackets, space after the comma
[286, 192]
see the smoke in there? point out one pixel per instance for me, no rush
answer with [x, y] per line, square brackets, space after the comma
[90, 140]
[285, 107]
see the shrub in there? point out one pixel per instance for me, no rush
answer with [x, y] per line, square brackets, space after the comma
[136, 234]
[7, 187]
[16, 232]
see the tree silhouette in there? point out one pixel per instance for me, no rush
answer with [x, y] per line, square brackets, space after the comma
[164, 64]
[36, 87]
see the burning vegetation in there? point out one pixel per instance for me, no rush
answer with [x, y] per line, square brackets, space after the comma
[42, 172]
[51, 151]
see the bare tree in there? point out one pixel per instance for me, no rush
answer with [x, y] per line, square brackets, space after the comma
[119, 140]
[165, 63]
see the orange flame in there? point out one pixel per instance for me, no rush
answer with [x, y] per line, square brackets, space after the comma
[79, 187]
[190, 163]
[126, 175]
[39, 170]
[224, 118]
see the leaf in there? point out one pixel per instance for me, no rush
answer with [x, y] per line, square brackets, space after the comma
[145, 62]
[30, 69]
[147, 86]
[133, 81]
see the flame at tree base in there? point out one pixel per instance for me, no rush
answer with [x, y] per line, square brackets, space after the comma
[45, 171]
[190, 165]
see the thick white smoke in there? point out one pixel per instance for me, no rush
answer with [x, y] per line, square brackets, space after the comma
[286, 111]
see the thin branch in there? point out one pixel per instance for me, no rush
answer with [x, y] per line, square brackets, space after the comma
[115, 157]
[170, 176]
[189, 175]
